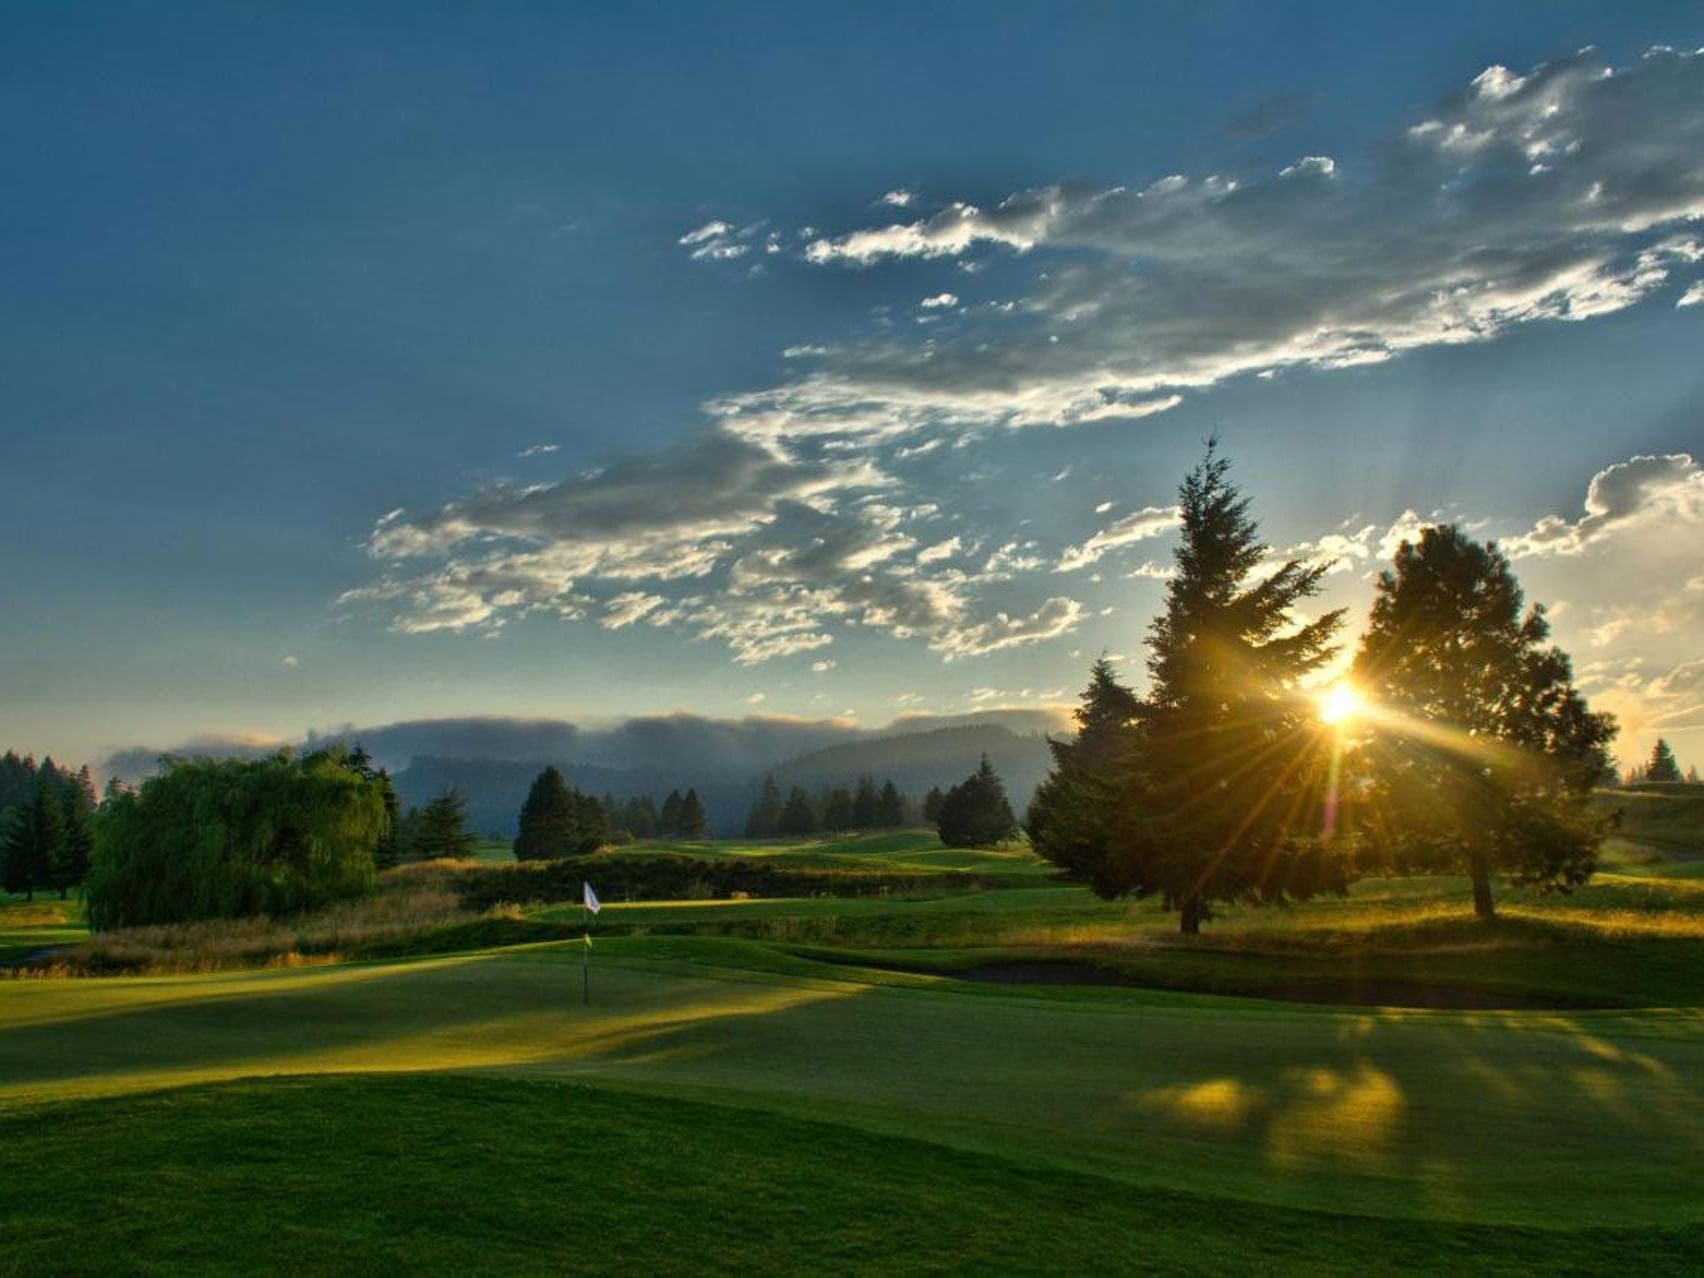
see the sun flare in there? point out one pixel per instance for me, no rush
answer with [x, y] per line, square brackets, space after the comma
[1340, 703]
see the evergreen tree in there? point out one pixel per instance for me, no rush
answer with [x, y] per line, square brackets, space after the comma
[1692, 775]
[47, 815]
[975, 813]
[441, 829]
[890, 807]
[668, 824]
[932, 805]
[591, 829]
[866, 805]
[1070, 817]
[77, 844]
[1484, 756]
[17, 780]
[694, 821]
[1220, 801]
[1662, 765]
[388, 851]
[640, 817]
[798, 817]
[837, 810]
[18, 857]
[765, 819]
[549, 822]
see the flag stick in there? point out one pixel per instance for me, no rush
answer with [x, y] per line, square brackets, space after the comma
[585, 957]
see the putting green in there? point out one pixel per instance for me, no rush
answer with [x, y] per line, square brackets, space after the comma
[1494, 1117]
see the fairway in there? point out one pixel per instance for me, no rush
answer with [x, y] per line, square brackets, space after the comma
[1412, 1115]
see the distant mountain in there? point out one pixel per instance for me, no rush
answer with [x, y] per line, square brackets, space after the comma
[915, 761]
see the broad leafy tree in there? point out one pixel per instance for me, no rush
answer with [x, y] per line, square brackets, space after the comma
[1482, 755]
[212, 838]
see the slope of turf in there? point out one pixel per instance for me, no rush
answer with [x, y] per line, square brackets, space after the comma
[1516, 1118]
[439, 1173]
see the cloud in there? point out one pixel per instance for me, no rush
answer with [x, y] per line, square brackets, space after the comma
[823, 666]
[898, 199]
[720, 241]
[1645, 489]
[538, 450]
[1058, 616]
[1553, 195]
[939, 301]
[1151, 521]
[291, 662]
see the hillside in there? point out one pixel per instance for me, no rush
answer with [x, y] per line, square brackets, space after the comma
[916, 761]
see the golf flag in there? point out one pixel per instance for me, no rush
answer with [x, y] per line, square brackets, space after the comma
[589, 898]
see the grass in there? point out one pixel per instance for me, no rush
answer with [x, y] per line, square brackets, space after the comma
[755, 1086]
[429, 1173]
[1503, 1118]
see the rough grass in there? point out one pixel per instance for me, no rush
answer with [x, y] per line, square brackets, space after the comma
[458, 1174]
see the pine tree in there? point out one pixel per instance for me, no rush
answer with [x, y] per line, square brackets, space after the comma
[77, 845]
[668, 824]
[1692, 775]
[591, 829]
[932, 805]
[1220, 800]
[441, 829]
[1662, 765]
[1070, 817]
[865, 805]
[1484, 756]
[388, 851]
[18, 852]
[640, 817]
[765, 819]
[890, 807]
[47, 815]
[837, 810]
[976, 813]
[694, 821]
[798, 818]
[549, 822]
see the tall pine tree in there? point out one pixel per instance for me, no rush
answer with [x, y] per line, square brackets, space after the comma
[765, 819]
[1662, 765]
[549, 823]
[1070, 816]
[1221, 798]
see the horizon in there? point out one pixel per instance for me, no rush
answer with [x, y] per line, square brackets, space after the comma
[343, 390]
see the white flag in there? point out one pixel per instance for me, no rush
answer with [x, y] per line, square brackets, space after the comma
[589, 897]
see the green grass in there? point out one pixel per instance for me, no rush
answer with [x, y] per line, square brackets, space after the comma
[889, 849]
[1506, 1118]
[28, 927]
[431, 1173]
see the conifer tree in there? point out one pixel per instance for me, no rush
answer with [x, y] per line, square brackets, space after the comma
[668, 822]
[640, 817]
[1221, 798]
[932, 805]
[865, 804]
[18, 851]
[765, 819]
[976, 813]
[549, 823]
[1071, 815]
[591, 826]
[77, 844]
[1484, 756]
[798, 817]
[837, 810]
[388, 851]
[694, 822]
[441, 829]
[1662, 765]
[890, 807]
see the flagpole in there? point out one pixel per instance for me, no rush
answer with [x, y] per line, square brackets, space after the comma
[585, 955]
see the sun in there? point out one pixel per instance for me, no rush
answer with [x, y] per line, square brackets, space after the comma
[1340, 703]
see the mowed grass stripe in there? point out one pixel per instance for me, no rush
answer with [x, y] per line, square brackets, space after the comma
[443, 1173]
[1501, 1117]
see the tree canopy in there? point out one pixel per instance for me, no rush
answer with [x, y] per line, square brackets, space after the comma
[975, 813]
[1482, 756]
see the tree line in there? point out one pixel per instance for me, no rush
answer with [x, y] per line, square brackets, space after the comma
[1221, 783]
[833, 810]
[47, 818]
[1661, 768]
[557, 820]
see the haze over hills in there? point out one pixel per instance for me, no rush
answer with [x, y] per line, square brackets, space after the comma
[492, 759]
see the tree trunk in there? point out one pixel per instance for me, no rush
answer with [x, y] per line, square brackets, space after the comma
[1190, 923]
[1480, 872]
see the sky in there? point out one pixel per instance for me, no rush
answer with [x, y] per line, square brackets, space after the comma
[370, 363]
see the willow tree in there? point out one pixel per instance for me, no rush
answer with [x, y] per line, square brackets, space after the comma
[221, 838]
[1221, 794]
[1480, 754]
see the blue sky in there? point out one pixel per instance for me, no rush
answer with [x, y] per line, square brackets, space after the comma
[364, 363]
